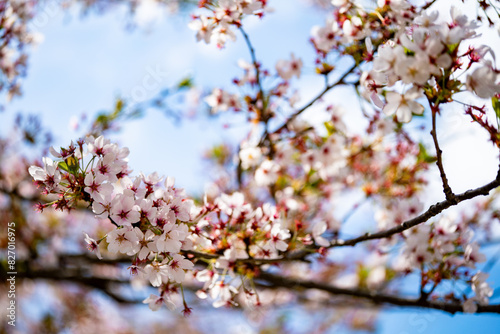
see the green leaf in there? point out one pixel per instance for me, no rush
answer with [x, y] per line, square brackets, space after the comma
[424, 156]
[119, 105]
[102, 119]
[64, 166]
[187, 82]
[495, 102]
[329, 127]
[72, 164]
[453, 47]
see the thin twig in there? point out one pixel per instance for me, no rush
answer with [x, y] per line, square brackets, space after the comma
[427, 5]
[446, 187]
[340, 81]
[255, 64]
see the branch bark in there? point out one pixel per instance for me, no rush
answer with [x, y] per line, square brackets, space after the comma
[374, 297]
[432, 211]
[439, 162]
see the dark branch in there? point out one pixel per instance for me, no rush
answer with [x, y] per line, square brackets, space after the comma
[103, 284]
[429, 4]
[255, 63]
[340, 81]
[374, 297]
[446, 187]
[433, 211]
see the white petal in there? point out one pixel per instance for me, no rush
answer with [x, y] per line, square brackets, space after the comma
[390, 108]
[404, 113]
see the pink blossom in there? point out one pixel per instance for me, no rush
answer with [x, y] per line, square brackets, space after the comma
[203, 28]
[93, 246]
[147, 243]
[124, 211]
[287, 69]
[123, 240]
[177, 266]
[267, 173]
[96, 186]
[49, 174]
[156, 302]
[156, 272]
[403, 105]
[318, 229]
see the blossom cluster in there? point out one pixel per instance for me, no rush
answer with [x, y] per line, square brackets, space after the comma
[241, 237]
[445, 250]
[430, 55]
[151, 221]
[16, 37]
[291, 180]
[263, 107]
[308, 172]
[225, 16]
[409, 48]
[157, 226]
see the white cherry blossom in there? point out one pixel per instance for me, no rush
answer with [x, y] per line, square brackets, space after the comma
[403, 105]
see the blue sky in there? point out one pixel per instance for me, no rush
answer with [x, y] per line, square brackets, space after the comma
[83, 64]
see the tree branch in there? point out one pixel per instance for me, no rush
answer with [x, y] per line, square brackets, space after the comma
[446, 187]
[374, 297]
[429, 4]
[254, 61]
[319, 96]
[433, 211]
[264, 280]
[103, 284]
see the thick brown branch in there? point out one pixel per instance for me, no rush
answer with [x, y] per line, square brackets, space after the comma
[375, 297]
[104, 284]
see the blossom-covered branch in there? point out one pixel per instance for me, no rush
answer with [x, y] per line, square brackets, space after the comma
[280, 219]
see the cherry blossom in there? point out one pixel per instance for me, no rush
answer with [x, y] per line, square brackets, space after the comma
[403, 105]
[123, 240]
[223, 293]
[267, 173]
[156, 273]
[154, 302]
[124, 211]
[177, 266]
[276, 202]
[96, 186]
[484, 82]
[318, 230]
[49, 175]
[147, 243]
[170, 240]
[250, 156]
[288, 69]
[203, 28]
[93, 246]
[220, 100]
